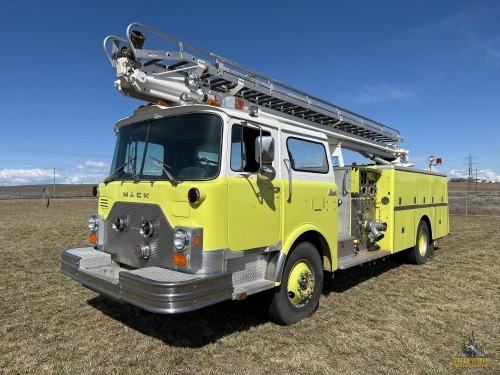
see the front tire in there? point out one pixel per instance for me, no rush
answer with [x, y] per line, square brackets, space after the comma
[298, 295]
[424, 247]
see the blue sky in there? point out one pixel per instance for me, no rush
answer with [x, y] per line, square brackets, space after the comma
[430, 69]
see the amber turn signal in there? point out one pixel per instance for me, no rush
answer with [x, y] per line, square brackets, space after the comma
[93, 238]
[180, 260]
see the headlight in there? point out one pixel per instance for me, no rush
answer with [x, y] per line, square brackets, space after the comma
[93, 223]
[181, 239]
[147, 228]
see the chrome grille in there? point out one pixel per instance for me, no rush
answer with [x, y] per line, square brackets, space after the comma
[121, 244]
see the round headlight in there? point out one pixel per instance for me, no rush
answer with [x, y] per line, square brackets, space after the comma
[119, 223]
[142, 251]
[181, 239]
[94, 223]
[147, 228]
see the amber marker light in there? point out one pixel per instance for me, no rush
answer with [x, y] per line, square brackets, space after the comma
[196, 241]
[180, 260]
[93, 238]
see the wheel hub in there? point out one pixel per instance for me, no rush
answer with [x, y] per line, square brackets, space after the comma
[306, 285]
[300, 284]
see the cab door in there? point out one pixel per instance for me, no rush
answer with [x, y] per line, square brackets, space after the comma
[253, 204]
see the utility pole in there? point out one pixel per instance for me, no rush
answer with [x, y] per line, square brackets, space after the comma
[469, 166]
[476, 178]
[54, 183]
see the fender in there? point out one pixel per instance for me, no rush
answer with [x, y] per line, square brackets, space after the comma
[292, 239]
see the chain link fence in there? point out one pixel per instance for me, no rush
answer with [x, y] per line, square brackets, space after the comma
[39, 192]
[474, 203]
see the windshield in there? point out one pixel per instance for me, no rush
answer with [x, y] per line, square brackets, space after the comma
[178, 148]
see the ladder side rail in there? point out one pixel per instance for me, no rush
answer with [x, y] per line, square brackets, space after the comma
[335, 113]
[306, 96]
[180, 43]
[114, 48]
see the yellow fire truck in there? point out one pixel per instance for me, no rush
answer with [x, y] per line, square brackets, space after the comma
[229, 183]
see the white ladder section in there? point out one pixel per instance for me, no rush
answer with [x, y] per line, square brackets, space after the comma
[152, 74]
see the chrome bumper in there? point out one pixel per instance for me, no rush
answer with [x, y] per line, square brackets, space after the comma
[152, 288]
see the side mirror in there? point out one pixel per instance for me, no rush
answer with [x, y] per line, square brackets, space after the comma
[264, 154]
[266, 173]
[264, 149]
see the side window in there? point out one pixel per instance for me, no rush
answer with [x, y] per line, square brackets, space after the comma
[307, 156]
[243, 148]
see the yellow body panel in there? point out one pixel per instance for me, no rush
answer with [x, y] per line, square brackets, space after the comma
[253, 212]
[413, 196]
[312, 207]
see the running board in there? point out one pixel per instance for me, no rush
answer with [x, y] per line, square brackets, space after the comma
[363, 256]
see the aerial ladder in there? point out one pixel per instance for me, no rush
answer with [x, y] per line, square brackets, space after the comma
[187, 74]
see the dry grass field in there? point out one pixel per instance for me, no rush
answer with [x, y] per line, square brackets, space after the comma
[389, 318]
[482, 187]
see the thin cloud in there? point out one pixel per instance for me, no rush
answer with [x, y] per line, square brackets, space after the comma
[488, 175]
[485, 50]
[90, 172]
[92, 164]
[382, 93]
[25, 175]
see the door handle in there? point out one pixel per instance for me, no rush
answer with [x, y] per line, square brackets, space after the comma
[289, 167]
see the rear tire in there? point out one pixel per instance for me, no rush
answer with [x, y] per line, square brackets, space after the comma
[424, 246]
[298, 295]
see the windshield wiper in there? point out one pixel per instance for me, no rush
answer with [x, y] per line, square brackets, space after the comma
[168, 171]
[111, 177]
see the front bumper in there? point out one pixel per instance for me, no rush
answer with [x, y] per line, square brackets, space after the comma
[155, 289]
